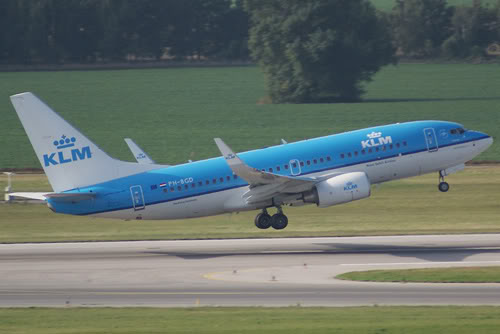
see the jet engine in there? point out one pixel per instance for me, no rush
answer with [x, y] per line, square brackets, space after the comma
[339, 189]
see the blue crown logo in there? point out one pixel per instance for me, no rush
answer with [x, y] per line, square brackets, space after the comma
[64, 142]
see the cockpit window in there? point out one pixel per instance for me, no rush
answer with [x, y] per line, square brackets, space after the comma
[457, 131]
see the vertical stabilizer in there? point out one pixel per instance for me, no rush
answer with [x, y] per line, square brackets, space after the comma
[70, 160]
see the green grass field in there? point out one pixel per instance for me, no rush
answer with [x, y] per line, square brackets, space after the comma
[410, 206]
[387, 320]
[428, 275]
[175, 113]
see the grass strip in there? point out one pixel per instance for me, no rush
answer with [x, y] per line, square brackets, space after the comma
[448, 319]
[428, 275]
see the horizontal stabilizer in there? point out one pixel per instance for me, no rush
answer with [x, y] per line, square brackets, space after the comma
[58, 197]
[32, 195]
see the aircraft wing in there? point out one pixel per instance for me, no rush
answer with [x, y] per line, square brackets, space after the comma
[138, 153]
[264, 185]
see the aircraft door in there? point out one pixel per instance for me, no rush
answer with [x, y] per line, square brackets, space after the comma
[137, 198]
[295, 167]
[431, 140]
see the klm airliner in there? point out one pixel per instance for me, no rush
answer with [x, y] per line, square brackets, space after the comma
[324, 171]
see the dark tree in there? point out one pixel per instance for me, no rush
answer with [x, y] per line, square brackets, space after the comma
[474, 28]
[317, 51]
[421, 26]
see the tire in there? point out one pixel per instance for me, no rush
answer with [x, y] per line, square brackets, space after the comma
[443, 187]
[263, 221]
[279, 221]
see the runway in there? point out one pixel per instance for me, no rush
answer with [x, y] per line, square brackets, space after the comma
[241, 272]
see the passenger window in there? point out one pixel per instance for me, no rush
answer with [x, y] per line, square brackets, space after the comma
[214, 181]
[286, 166]
[391, 147]
[405, 143]
[321, 160]
[328, 158]
[308, 162]
[270, 170]
[363, 152]
[235, 176]
[172, 189]
[186, 186]
[221, 179]
[461, 131]
[302, 163]
[355, 153]
[315, 161]
[207, 182]
[397, 145]
[342, 156]
[278, 168]
[228, 178]
[383, 148]
[453, 131]
[376, 149]
[193, 185]
[349, 154]
[200, 183]
[179, 188]
[165, 190]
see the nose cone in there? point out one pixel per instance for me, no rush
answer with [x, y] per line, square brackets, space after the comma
[484, 142]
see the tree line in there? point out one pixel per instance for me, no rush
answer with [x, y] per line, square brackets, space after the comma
[431, 28]
[87, 31]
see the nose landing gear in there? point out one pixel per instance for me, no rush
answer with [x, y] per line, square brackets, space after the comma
[443, 186]
[278, 221]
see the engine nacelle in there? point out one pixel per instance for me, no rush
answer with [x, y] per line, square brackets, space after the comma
[339, 189]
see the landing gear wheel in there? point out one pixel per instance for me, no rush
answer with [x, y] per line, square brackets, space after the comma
[263, 220]
[279, 221]
[443, 187]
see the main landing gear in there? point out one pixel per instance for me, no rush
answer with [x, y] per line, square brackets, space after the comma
[278, 221]
[443, 186]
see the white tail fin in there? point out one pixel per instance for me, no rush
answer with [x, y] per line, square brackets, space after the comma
[70, 160]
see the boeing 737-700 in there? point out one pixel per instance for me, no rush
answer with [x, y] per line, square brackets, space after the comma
[324, 171]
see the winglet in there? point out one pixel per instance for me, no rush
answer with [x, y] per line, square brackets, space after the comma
[253, 176]
[139, 155]
[231, 158]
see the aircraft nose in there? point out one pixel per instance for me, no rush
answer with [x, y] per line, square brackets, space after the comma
[485, 142]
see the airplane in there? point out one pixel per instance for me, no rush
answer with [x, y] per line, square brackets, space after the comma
[324, 171]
